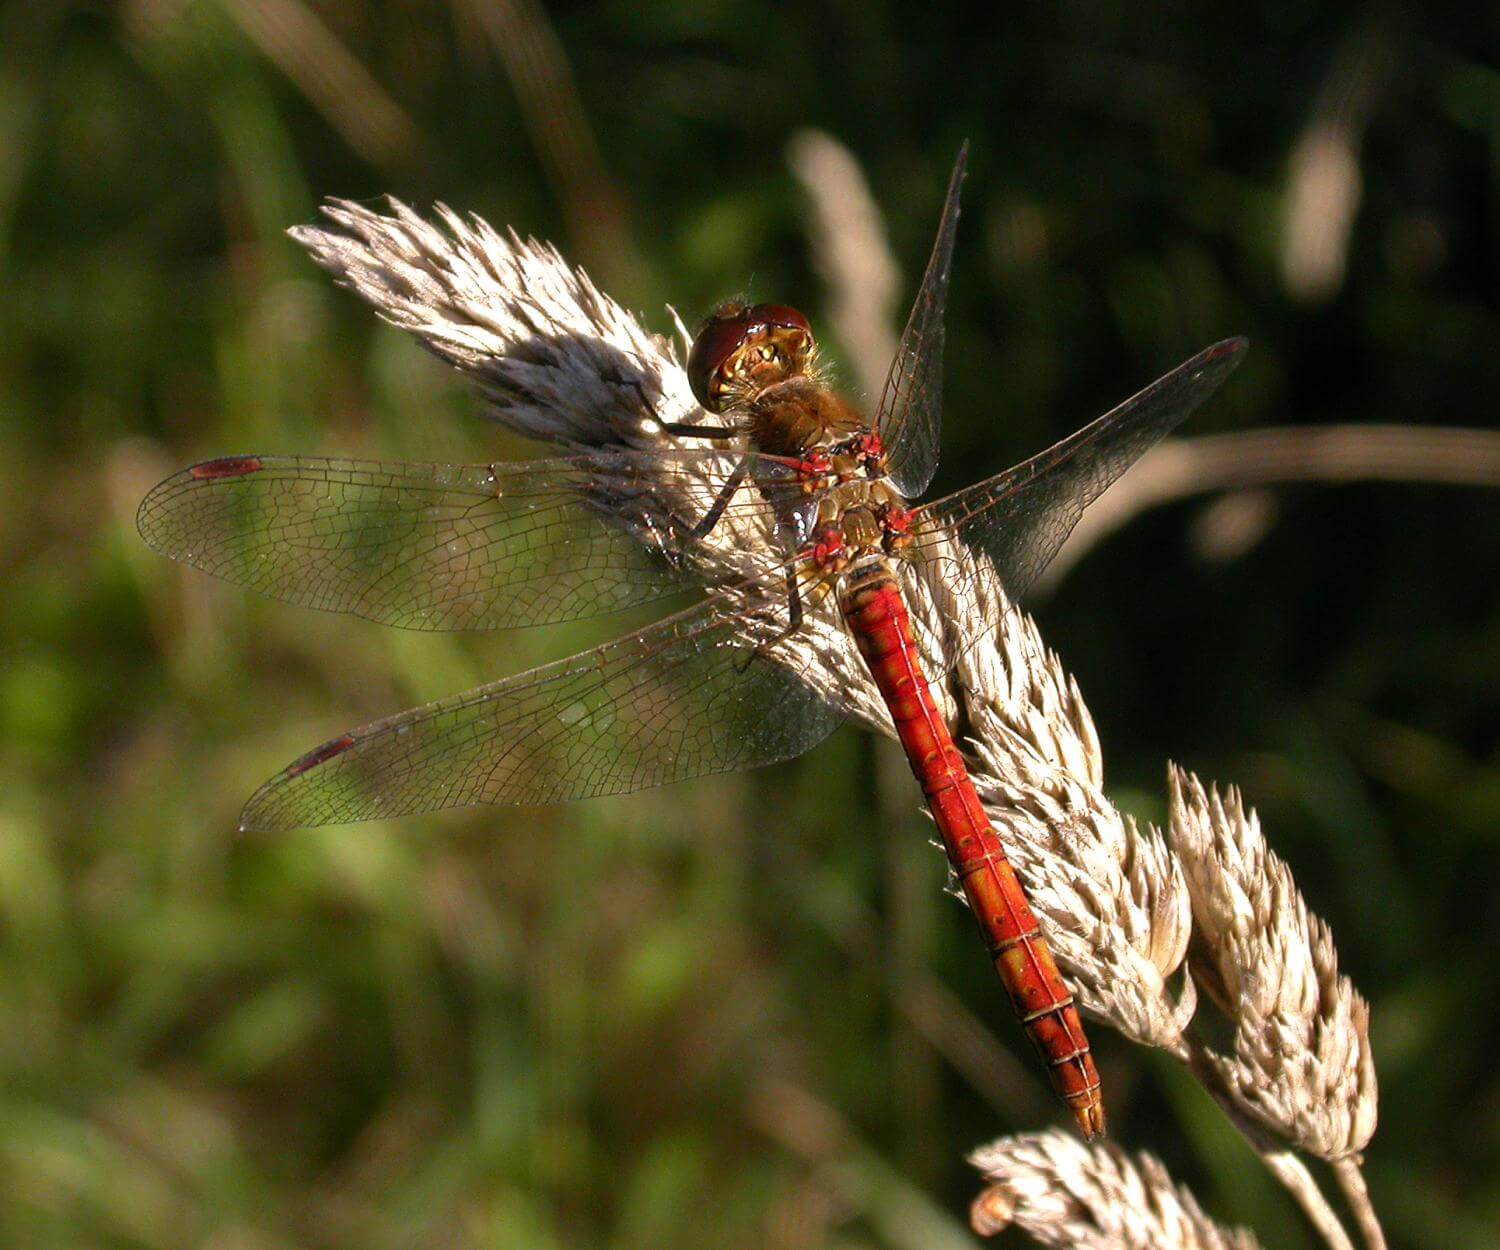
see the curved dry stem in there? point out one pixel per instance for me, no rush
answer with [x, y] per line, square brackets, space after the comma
[1324, 186]
[1352, 1181]
[535, 62]
[1183, 467]
[1286, 1167]
[851, 253]
[332, 78]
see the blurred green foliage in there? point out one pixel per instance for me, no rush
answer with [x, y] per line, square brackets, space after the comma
[732, 1013]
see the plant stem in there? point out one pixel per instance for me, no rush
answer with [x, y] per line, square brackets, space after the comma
[1357, 1194]
[1251, 459]
[1286, 1167]
[1282, 1163]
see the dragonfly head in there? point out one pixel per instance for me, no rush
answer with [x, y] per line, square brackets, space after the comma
[743, 348]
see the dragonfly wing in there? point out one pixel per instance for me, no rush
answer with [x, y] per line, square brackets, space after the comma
[684, 698]
[434, 546]
[909, 419]
[1020, 518]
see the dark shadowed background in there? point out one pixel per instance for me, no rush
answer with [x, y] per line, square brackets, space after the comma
[737, 1012]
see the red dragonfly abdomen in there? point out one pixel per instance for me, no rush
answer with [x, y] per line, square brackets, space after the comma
[872, 604]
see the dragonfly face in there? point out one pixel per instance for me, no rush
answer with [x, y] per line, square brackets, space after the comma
[742, 349]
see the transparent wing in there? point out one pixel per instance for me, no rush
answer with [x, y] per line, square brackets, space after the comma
[909, 419]
[683, 698]
[1020, 518]
[434, 546]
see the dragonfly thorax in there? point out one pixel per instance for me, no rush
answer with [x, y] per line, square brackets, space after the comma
[857, 521]
[800, 415]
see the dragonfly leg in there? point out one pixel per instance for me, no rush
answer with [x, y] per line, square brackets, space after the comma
[685, 429]
[794, 603]
[793, 622]
[721, 501]
[705, 524]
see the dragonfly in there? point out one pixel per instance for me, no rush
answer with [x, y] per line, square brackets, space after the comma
[811, 497]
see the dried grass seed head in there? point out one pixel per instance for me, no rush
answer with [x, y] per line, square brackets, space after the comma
[1064, 1193]
[1301, 1062]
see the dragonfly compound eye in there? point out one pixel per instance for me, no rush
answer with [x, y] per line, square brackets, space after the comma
[741, 349]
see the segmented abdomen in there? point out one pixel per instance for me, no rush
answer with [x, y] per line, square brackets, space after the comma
[872, 604]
